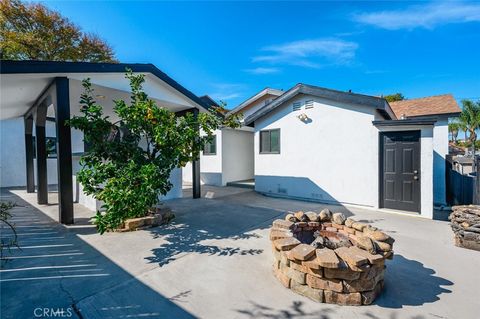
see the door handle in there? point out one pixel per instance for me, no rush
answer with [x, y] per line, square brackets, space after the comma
[415, 177]
[415, 172]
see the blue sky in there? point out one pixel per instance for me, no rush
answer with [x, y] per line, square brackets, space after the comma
[231, 50]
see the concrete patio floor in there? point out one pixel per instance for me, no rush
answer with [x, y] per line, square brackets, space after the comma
[214, 261]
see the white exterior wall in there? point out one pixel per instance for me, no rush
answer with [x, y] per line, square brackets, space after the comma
[237, 155]
[233, 161]
[440, 148]
[332, 158]
[210, 165]
[12, 153]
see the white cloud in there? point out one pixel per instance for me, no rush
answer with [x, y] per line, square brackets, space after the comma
[226, 91]
[310, 53]
[261, 70]
[422, 16]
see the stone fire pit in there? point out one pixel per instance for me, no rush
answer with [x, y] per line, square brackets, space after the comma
[329, 258]
[465, 222]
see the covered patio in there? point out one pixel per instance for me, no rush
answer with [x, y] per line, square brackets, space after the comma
[45, 95]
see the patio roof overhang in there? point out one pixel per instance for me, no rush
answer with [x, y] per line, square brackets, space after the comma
[29, 88]
[22, 82]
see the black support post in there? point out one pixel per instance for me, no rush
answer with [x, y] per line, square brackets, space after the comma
[64, 151]
[196, 169]
[29, 147]
[41, 146]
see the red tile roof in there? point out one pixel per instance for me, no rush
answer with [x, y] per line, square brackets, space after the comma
[432, 105]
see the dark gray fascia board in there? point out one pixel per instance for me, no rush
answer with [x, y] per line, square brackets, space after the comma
[341, 96]
[32, 67]
[444, 115]
[334, 95]
[417, 122]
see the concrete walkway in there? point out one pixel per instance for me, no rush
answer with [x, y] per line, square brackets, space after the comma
[214, 261]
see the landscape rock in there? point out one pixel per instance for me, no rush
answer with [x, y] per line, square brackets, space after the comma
[325, 284]
[286, 243]
[338, 218]
[302, 252]
[349, 222]
[290, 218]
[367, 244]
[327, 258]
[304, 290]
[312, 216]
[351, 299]
[325, 215]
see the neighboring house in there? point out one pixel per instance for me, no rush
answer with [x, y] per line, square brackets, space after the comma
[37, 98]
[440, 107]
[323, 145]
[229, 158]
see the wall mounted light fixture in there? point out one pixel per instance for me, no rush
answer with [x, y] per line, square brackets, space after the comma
[303, 117]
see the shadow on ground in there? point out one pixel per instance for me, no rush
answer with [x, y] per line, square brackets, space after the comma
[56, 269]
[232, 215]
[200, 224]
[409, 283]
[295, 310]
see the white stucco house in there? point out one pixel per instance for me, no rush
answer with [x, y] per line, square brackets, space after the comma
[36, 100]
[229, 158]
[330, 146]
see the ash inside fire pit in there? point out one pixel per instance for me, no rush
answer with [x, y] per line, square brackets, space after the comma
[322, 238]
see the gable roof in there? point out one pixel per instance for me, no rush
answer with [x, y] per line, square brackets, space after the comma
[427, 106]
[254, 98]
[209, 101]
[334, 95]
[62, 67]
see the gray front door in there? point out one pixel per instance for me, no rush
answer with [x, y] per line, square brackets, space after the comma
[400, 170]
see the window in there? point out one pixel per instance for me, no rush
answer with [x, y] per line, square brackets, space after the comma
[270, 141]
[50, 144]
[297, 106]
[211, 147]
[309, 104]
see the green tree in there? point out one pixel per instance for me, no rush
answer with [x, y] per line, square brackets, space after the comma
[129, 162]
[33, 32]
[394, 97]
[453, 128]
[9, 238]
[470, 119]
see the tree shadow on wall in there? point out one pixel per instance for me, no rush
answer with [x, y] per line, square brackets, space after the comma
[409, 283]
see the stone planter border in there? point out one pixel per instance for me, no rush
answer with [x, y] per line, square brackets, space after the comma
[161, 216]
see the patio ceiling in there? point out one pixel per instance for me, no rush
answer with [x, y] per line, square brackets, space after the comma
[22, 82]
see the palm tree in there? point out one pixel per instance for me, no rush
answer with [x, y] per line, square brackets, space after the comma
[470, 119]
[453, 128]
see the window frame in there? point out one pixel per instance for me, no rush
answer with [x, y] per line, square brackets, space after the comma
[270, 138]
[214, 139]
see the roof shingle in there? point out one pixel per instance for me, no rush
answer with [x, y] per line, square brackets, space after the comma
[432, 105]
